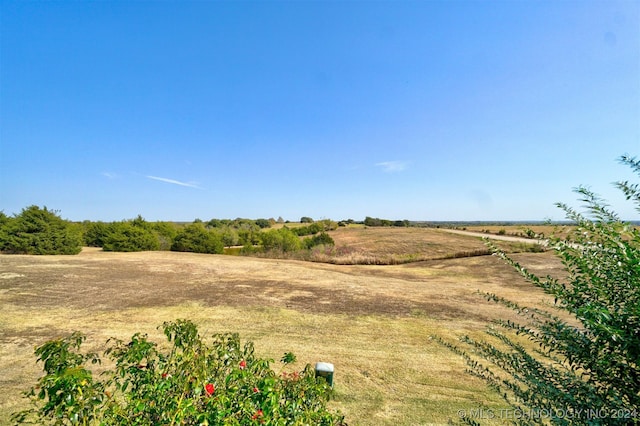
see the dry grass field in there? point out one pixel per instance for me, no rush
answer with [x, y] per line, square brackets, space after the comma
[517, 230]
[373, 322]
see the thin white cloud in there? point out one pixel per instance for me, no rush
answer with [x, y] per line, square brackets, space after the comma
[174, 182]
[109, 175]
[392, 166]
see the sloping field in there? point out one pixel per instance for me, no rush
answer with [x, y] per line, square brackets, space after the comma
[359, 245]
[372, 322]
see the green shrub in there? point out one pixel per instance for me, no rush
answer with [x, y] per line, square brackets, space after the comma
[315, 227]
[39, 231]
[263, 223]
[586, 365]
[195, 238]
[194, 382]
[282, 239]
[4, 230]
[95, 233]
[248, 236]
[165, 232]
[228, 235]
[321, 239]
[130, 236]
[404, 223]
[239, 231]
[374, 221]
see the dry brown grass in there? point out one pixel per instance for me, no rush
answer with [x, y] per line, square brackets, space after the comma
[519, 230]
[397, 245]
[392, 246]
[373, 322]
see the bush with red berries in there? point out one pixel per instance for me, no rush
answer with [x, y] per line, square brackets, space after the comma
[192, 383]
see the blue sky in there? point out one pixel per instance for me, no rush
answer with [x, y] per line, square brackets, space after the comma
[420, 110]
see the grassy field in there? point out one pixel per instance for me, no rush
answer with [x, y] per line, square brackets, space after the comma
[373, 322]
[520, 230]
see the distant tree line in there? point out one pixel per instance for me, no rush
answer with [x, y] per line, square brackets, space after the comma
[374, 221]
[315, 227]
[38, 230]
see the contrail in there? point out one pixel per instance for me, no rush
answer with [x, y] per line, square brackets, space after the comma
[173, 181]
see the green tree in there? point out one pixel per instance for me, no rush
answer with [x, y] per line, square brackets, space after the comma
[4, 230]
[129, 236]
[248, 234]
[282, 239]
[404, 223]
[585, 368]
[229, 235]
[197, 239]
[165, 232]
[321, 239]
[39, 231]
[140, 222]
[95, 233]
[374, 221]
[263, 223]
[215, 223]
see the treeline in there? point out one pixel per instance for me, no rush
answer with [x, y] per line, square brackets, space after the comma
[315, 227]
[374, 221]
[38, 230]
